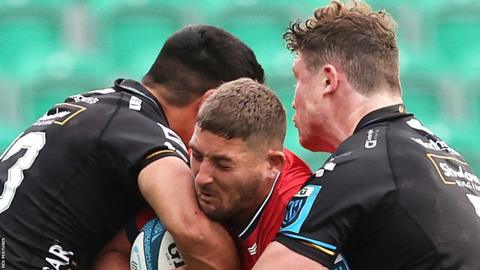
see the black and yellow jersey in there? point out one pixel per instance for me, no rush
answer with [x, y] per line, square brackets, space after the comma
[392, 196]
[69, 182]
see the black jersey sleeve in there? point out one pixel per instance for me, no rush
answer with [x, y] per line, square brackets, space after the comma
[336, 201]
[132, 140]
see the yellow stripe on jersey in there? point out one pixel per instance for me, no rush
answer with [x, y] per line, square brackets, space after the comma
[329, 252]
[160, 152]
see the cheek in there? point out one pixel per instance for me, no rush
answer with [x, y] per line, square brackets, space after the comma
[194, 166]
[301, 96]
[231, 190]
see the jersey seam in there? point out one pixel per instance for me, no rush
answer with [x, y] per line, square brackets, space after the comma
[110, 120]
[389, 160]
[107, 125]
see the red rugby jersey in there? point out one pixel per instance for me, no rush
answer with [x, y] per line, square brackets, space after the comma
[264, 225]
[262, 229]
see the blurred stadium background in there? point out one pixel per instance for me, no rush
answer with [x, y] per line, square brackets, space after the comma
[50, 49]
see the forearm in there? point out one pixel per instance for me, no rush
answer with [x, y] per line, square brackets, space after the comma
[203, 244]
[218, 252]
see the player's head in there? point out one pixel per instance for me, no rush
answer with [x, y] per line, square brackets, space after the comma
[353, 38]
[198, 58]
[237, 148]
[342, 47]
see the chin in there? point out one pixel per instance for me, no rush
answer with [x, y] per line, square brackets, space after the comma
[213, 213]
[306, 144]
[314, 146]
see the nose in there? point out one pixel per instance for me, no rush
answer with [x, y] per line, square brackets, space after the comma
[293, 105]
[203, 174]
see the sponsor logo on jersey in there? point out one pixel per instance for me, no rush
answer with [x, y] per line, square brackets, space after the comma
[371, 141]
[304, 192]
[48, 119]
[296, 204]
[253, 249]
[59, 259]
[293, 210]
[435, 145]
[135, 103]
[455, 172]
[84, 99]
[60, 114]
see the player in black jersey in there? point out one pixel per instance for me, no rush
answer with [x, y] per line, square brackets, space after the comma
[71, 180]
[392, 195]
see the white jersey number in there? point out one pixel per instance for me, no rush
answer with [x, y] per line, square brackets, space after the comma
[33, 143]
[475, 200]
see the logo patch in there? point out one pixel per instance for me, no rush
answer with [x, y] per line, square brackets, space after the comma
[253, 249]
[293, 210]
[60, 114]
[81, 98]
[455, 172]
[135, 103]
[298, 209]
[371, 141]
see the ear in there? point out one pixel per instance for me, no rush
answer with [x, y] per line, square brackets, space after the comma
[275, 159]
[207, 94]
[199, 101]
[330, 78]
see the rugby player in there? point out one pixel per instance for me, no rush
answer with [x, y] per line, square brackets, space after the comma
[392, 195]
[73, 179]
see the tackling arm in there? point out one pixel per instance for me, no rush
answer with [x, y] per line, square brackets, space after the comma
[115, 255]
[167, 185]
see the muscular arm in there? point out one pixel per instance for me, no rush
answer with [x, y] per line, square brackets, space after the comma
[279, 257]
[167, 185]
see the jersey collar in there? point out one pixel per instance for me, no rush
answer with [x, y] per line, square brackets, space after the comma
[136, 88]
[251, 225]
[383, 114]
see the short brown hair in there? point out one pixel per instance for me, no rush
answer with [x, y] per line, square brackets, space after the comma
[362, 42]
[244, 109]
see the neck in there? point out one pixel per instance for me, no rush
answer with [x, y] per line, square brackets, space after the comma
[362, 106]
[180, 119]
[244, 216]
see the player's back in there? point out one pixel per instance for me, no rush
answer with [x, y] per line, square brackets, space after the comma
[70, 180]
[426, 215]
[438, 194]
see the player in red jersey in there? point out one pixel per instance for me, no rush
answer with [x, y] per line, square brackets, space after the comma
[243, 176]
[262, 227]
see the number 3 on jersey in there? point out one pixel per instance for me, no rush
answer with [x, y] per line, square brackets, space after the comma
[33, 142]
